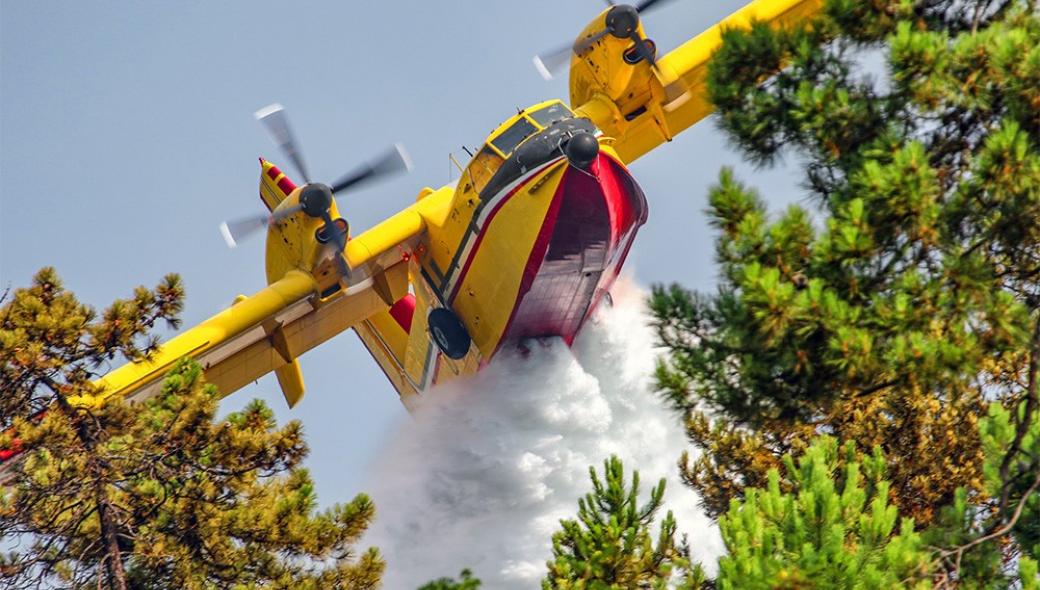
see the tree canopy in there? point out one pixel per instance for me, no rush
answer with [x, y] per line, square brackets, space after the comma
[901, 298]
[891, 311]
[155, 494]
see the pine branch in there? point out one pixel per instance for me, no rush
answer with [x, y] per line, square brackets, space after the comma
[1025, 422]
[958, 552]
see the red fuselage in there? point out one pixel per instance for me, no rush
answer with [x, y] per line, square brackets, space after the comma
[581, 248]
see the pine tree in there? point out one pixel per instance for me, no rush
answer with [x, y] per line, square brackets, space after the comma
[610, 545]
[157, 494]
[466, 581]
[908, 299]
[835, 527]
[833, 530]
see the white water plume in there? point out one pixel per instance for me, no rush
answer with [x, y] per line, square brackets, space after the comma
[482, 474]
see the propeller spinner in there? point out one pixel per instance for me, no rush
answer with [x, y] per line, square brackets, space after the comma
[315, 198]
[622, 21]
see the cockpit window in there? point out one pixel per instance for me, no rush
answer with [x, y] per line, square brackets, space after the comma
[550, 114]
[510, 138]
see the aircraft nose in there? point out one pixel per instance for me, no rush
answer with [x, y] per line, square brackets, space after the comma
[581, 149]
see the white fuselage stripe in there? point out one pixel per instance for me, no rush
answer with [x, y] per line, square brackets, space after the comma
[470, 241]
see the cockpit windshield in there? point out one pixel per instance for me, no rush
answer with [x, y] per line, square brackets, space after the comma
[551, 114]
[507, 141]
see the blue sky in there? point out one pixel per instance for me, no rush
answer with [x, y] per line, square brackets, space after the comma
[126, 137]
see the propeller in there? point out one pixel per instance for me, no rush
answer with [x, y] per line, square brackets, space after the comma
[236, 231]
[315, 198]
[273, 118]
[622, 21]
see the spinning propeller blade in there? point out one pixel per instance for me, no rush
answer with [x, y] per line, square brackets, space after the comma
[273, 118]
[547, 63]
[235, 231]
[645, 5]
[394, 160]
[339, 240]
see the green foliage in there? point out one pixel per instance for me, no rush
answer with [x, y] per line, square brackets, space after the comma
[1014, 478]
[827, 522]
[610, 545]
[906, 301]
[833, 530]
[155, 494]
[466, 582]
[1011, 480]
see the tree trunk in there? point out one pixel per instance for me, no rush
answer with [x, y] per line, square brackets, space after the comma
[114, 557]
[114, 563]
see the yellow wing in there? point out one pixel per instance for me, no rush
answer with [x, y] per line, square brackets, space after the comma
[642, 109]
[270, 329]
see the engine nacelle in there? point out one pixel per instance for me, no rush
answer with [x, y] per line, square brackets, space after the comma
[608, 62]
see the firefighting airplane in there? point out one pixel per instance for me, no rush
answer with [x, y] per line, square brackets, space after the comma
[525, 244]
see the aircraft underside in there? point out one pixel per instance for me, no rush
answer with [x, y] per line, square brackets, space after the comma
[580, 251]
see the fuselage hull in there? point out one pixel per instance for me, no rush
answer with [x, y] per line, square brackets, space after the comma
[535, 260]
